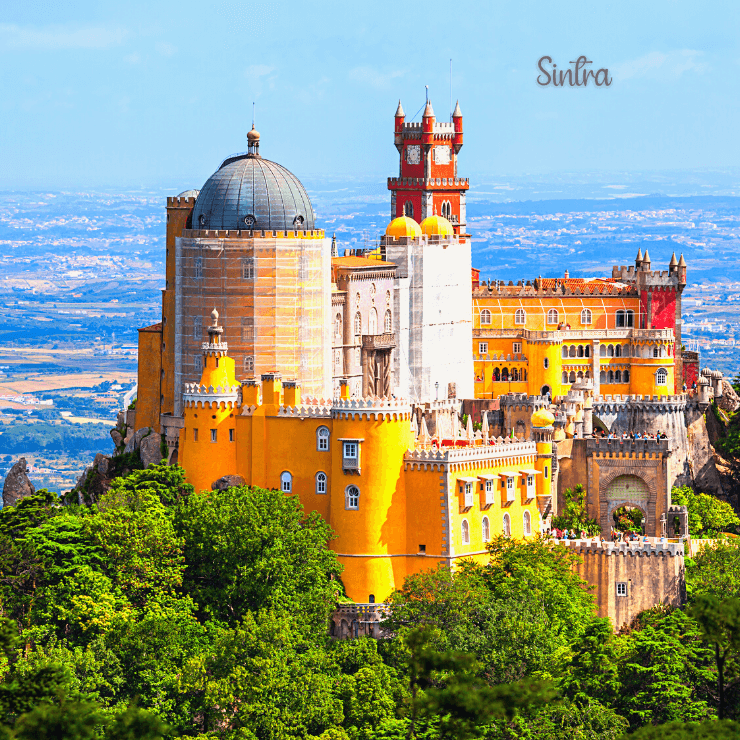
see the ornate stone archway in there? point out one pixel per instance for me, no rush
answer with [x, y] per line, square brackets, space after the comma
[630, 482]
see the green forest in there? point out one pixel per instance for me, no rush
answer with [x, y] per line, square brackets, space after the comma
[163, 612]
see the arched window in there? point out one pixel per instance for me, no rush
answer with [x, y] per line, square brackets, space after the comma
[527, 523]
[388, 322]
[579, 376]
[286, 482]
[358, 323]
[496, 375]
[408, 209]
[618, 376]
[580, 350]
[629, 318]
[320, 483]
[572, 377]
[565, 351]
[552, 316]
[656, 352]
[485, 316]
[514, 374]
[352, 498]
[338, 326]
[249, 363]
[486, 530]
[505, 375]
[465, 532]
[507, 525]
[322, 439]
[565, 377]
[618, 350]
[610, 351]
[602, 377]
[572, 351]
[602, 350]
[620, 319]
[373, 322]
[661, 377]
[610, 377]
[587, 350]
[586, 316]
[626, 376]
[520, 316]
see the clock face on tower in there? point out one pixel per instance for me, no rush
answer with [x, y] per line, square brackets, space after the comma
[413, 154]
[441, 155]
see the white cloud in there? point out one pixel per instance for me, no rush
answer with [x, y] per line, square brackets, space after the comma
[165, 49]
[58, 37]
[660, 66]
[258, 75]
[373, 77]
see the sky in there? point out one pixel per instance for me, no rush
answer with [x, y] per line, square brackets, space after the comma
[154, 93]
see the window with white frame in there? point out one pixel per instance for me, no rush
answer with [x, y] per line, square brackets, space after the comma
[527, 523]
[286, 482]
[465, 532]
[489, 491]
[530, 486]
[214, 435]
[349, 450]
[552, 316]
[509, 488]
[621, 589]
[517, 348]
[247, 268]
[485, 317]
[586, 316]
[320, 483]
[322, 439]
[388, 322]
[249, 363]
[507, 526]
[468, 494]
[482, 348]
[486, 530]
[352, 498]
[520, 316]
[661, 377]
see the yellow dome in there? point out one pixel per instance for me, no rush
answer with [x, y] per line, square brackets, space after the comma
[542, 418]
[403, 226]
[438, 225]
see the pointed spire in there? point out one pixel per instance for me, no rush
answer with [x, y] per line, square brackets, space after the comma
[428, 110]
[424, 432]
[414, 427]
[334, 249]
[682, 261]
[674, 261]
[647, 257]
[457, 113]
[399, 110]
[469, 429]
[639, 256]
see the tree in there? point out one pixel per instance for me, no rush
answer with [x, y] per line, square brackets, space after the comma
[709, 730]
[708, 516]
[575, 514]
[249, 549]
[719, 621]
[715, 570]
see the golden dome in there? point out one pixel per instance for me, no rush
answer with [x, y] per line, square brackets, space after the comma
[542, 418]
[403, 226]
[438, 225]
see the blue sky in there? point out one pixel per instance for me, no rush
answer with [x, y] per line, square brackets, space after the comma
[132, 93]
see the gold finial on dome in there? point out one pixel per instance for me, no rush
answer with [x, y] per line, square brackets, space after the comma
[253, 142]
[542, 418]
[403, 226]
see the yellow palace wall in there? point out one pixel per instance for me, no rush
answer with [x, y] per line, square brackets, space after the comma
[400, 506]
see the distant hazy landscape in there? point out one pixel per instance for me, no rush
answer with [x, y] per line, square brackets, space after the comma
[81, 272]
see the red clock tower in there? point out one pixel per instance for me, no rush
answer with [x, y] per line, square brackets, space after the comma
[428, 183]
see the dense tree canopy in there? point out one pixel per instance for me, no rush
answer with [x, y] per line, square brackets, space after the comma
[166, 612]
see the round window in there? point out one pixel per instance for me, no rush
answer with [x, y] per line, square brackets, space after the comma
[249, 221]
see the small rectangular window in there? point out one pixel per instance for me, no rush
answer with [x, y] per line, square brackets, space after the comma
[482, 348]
[247, 329]
[198, 267]
[195, 435]
[517, 348]
[546, 471]
[621, 589]
[422, 548]
[350, 450]
[248, 268]
[214, 435]
[231, 435]
[468, 495]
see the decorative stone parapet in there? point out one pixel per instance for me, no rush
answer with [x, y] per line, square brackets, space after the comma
[376, 408]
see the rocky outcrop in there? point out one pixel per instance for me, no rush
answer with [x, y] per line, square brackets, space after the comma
[133, 442]
[150, 449]
[702, 458]
[17, 484]
[729, 400]
[228, 481]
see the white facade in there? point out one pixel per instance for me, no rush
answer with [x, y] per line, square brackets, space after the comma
[433, 319]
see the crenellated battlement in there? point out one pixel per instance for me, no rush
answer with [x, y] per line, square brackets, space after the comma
[244, 234]
[607, 446]
[199, 395]
[631, 549]
[538, 289]
[175, 201]
[376, 408]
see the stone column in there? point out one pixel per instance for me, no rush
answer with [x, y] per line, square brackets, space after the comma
[596, 365]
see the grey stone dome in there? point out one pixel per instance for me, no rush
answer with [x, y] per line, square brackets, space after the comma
[251, 193]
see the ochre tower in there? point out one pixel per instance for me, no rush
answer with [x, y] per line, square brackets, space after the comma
[427, 182]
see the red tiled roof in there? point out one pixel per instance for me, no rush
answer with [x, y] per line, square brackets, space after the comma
[153, 327]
